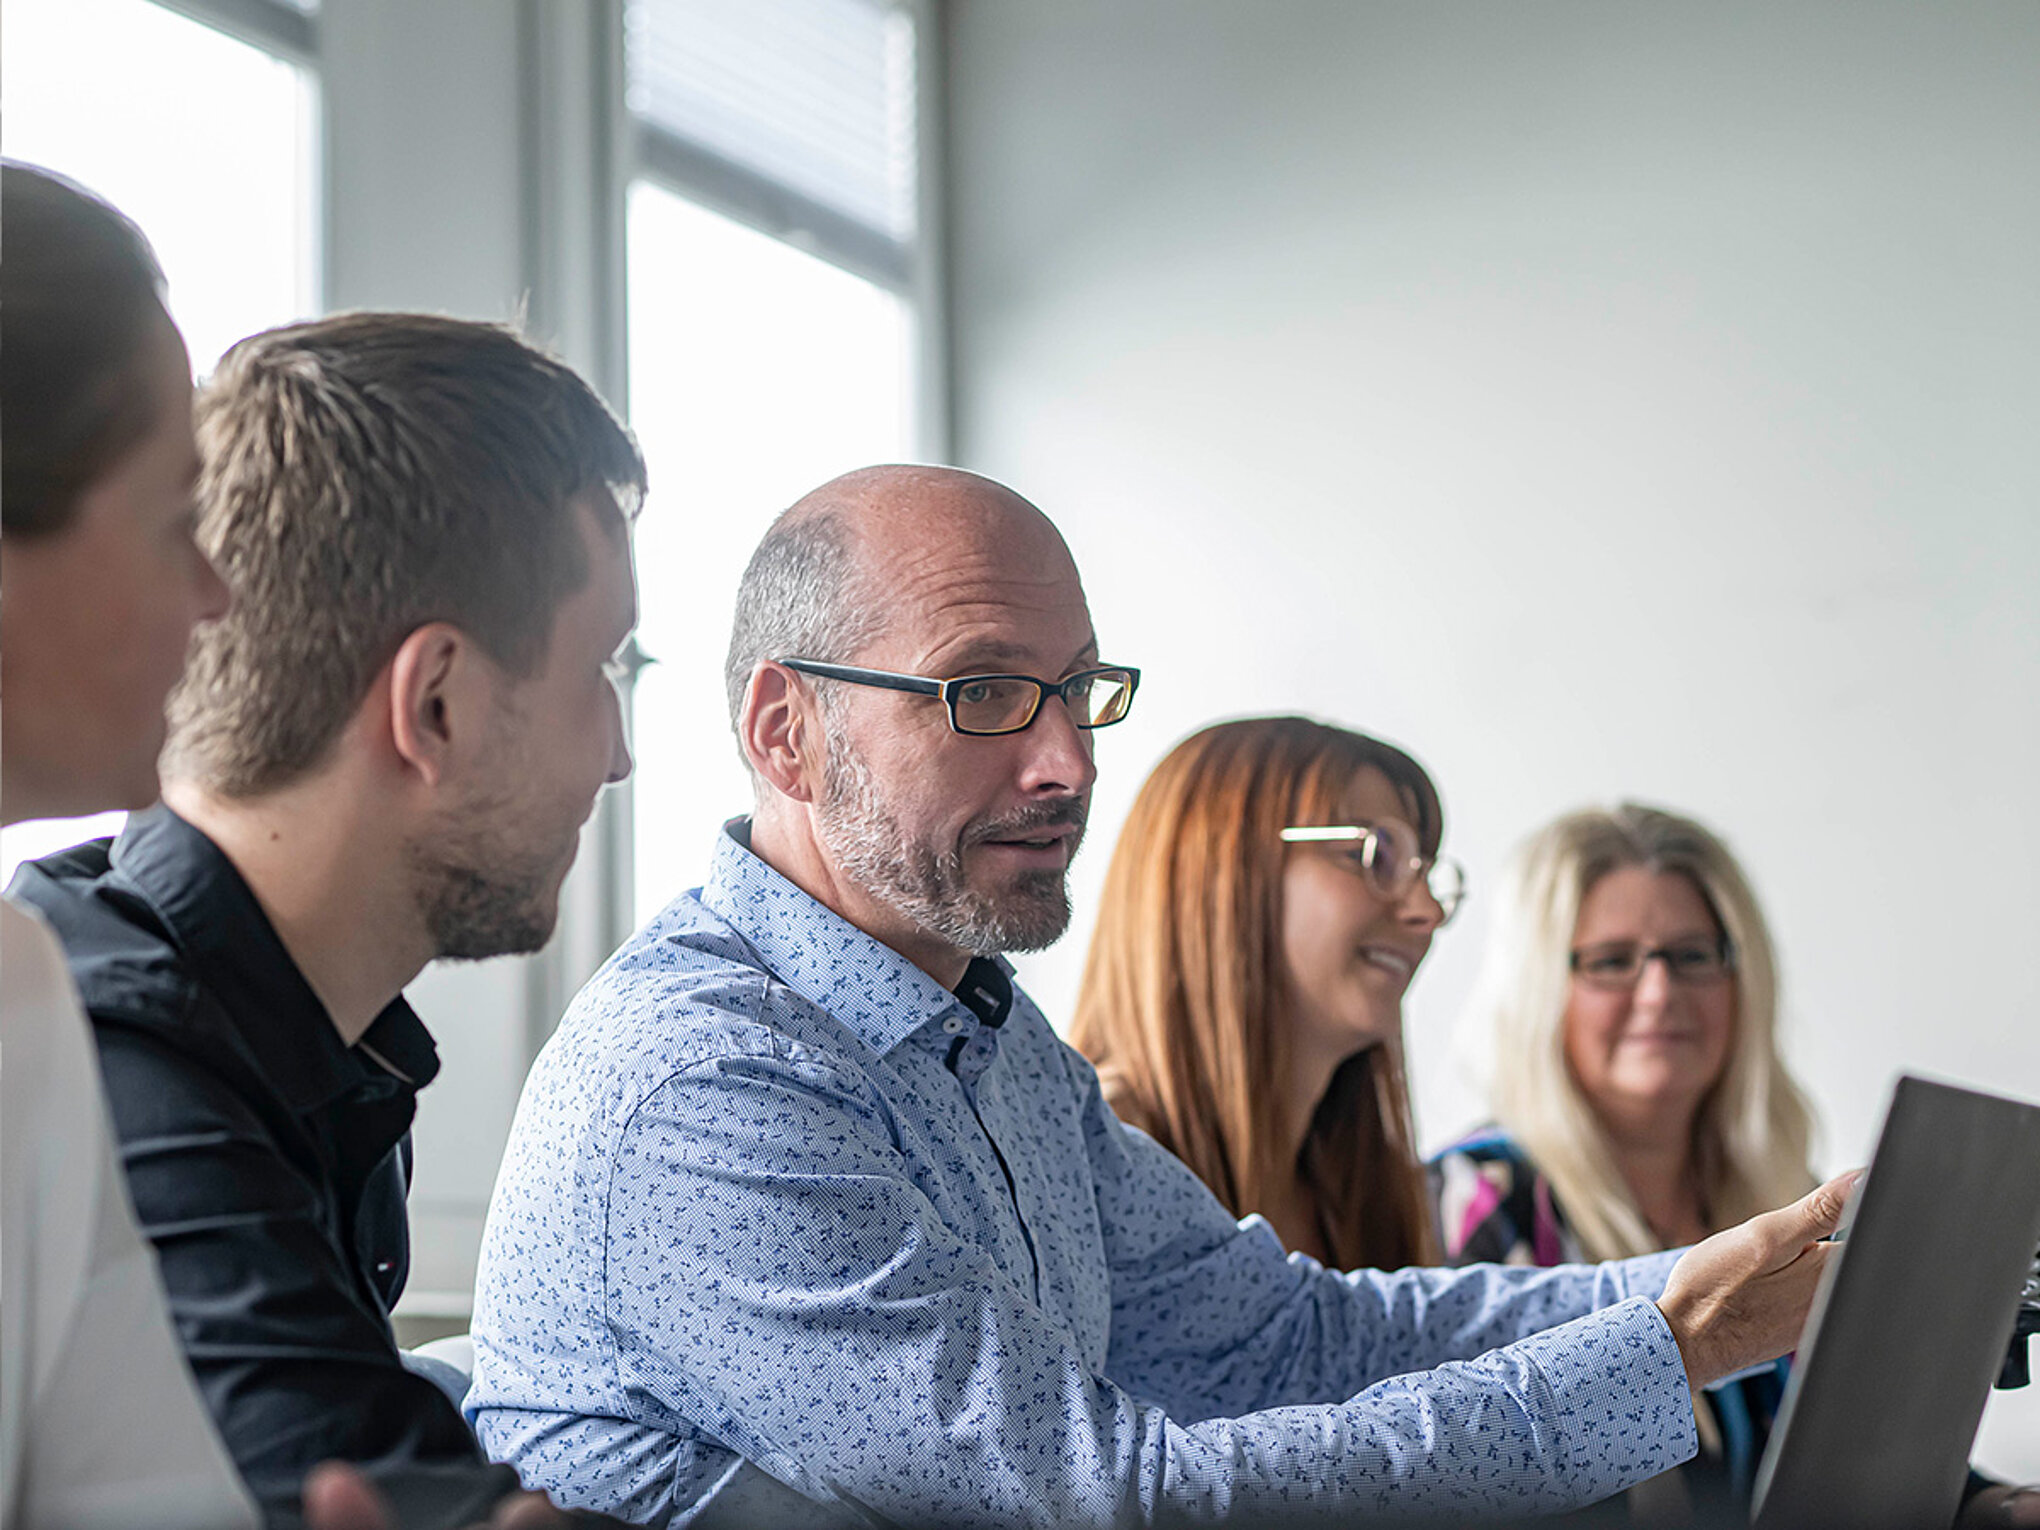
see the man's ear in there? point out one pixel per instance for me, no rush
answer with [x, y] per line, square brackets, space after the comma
[440, 695]
[777, 730]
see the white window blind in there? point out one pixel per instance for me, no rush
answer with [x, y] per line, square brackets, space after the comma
[811, 97]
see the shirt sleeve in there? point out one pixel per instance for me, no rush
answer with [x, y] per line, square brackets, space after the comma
[292, 1352]
[1211, 1318]
[773, 1272]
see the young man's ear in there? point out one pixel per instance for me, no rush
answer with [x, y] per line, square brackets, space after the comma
[775, 729]
[439, 697]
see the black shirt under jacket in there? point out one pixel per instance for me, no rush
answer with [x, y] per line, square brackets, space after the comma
[269, 1164]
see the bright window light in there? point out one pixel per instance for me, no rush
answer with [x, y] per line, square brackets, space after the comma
[205, 142]
[756, 373]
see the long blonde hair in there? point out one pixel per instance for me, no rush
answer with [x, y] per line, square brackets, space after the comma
[1184, 1003]
[1753, 1131]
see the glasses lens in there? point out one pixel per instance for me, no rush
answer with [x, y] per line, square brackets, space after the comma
[1699, 962]
[1608, 966]
[1391, 857]
[1100, 698]
[995, 704]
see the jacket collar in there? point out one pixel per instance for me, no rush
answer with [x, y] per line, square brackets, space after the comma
[213, 917]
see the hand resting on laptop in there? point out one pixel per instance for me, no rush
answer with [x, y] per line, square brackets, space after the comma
[1741, 1297]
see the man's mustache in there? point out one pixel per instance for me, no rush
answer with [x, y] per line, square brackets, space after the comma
[1065, 813]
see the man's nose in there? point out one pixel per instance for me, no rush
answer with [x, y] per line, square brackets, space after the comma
[1058, 752]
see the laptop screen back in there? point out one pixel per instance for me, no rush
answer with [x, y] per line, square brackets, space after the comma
[1911, 1321]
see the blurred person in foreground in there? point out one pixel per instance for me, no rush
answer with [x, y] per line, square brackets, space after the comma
[1629, 994]
[808, 1217]
[1274, 890]
[382, 755]
[101, 583]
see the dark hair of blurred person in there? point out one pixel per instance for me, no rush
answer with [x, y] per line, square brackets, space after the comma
[102, 580]
[85, 320]
[1242, 994]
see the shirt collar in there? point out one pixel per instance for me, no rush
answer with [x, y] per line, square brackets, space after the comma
[215, 920]
[858, 980]
[986, 990]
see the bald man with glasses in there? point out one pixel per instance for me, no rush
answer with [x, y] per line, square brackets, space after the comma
[809, 1217]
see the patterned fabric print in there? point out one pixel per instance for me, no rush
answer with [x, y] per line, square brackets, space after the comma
[786, 1235]
[1495, 1208]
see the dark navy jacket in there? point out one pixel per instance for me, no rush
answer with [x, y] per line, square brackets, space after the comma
[269, 1164]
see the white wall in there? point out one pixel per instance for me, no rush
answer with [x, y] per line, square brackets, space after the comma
[1597, 398]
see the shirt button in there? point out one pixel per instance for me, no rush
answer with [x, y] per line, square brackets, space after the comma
[953, 1024]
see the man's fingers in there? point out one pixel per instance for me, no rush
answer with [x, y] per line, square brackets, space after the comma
[1831, 1199]
[527, 1511]
[1741, 1296]
[1816, 1257]
[1813, 1215]
[2001, 1504]
[338, 1497]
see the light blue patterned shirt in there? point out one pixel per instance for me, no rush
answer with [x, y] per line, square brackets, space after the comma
[786, 1235]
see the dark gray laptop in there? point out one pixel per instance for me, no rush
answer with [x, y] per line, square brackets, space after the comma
[1911, 1321]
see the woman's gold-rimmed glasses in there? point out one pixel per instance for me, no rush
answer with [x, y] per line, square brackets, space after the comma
[1390, 855]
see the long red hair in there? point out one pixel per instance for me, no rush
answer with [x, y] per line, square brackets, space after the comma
[1184, 1006]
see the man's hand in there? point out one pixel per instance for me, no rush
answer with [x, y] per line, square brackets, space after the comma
[338, 1497]
[2002, 1504]
[1740, 1298]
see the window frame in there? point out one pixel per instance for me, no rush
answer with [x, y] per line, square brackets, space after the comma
[531, 111]
[912, 269]
[275, 27]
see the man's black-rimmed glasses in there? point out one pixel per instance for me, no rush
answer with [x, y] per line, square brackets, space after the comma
[983, 705]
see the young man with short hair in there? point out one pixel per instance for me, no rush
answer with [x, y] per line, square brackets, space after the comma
[383, 755]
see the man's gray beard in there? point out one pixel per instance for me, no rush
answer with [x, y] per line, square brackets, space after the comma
[928, 886]
[479, 896]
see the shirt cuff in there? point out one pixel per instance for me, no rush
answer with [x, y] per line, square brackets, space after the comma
[1620, 1396]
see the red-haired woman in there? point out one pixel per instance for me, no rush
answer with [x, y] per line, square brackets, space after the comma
[1274, 890]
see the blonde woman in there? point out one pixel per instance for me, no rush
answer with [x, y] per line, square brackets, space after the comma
[1630, 989]
[1274, 890]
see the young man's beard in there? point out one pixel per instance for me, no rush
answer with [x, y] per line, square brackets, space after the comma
[481, 892]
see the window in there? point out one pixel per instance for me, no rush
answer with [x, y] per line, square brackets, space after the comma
[210, 148]
[772, 330]
[208, 143]
[797, 115]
